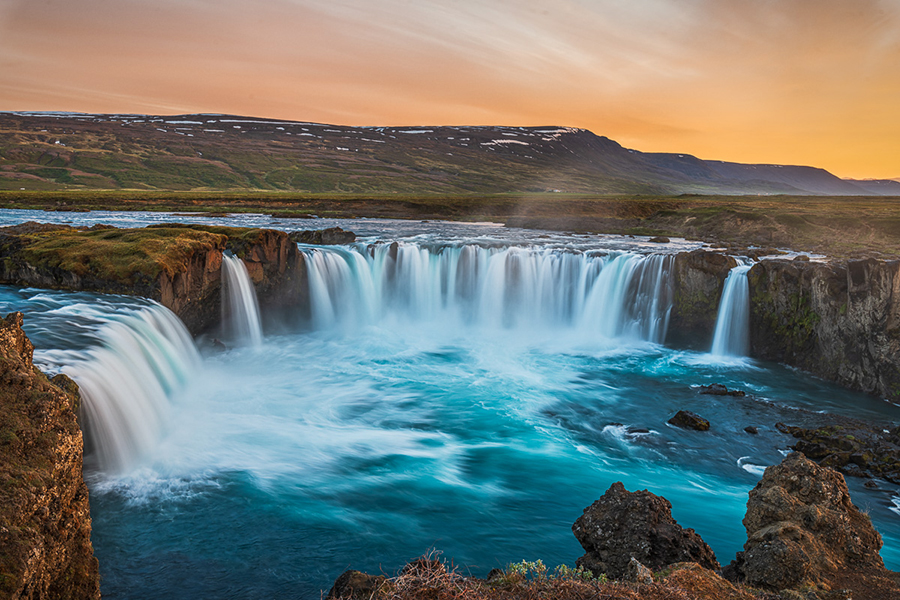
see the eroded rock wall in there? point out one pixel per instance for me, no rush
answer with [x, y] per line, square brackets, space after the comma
[45, 522]
[698, 279]
[840, 321]
[188, 283]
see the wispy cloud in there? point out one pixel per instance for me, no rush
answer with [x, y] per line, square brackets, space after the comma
[811, 81]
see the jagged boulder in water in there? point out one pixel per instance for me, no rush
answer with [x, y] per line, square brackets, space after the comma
[622, 525]
[803, 531]
[688, 420]
[45, 521]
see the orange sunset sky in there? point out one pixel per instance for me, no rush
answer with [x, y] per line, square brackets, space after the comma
[783, 81]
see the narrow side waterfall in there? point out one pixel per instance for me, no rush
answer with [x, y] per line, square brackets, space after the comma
[240, 308]
[732, 336]
[127, 381]
[604, 295]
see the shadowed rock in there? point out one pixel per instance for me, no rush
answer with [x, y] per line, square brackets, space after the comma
[355, 585]
[330, 236]
[622, 525]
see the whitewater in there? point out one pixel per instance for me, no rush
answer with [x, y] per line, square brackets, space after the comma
[454, 386]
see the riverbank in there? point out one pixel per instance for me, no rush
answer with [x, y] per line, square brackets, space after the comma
[841, 227]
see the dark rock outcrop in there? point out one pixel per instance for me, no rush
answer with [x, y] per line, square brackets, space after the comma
[699, 277]
[852, 447]
[622, 525]
[804, 531]
[330, 236]
[45, 521]
[689, 420]
[840, 321]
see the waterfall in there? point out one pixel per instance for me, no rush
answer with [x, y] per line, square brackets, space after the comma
[240, 309]
[126, 382]
[732, 337]
[619, 294]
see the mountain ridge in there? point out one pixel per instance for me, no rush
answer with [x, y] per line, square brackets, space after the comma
[208, 151]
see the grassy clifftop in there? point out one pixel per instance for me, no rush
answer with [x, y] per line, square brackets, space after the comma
[833, 225]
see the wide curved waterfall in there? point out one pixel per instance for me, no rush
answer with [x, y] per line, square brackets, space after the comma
[732, 336]
[618, 294]
[240, 308]
[126, 383]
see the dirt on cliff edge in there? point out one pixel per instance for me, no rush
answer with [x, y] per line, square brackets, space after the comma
[45, 522]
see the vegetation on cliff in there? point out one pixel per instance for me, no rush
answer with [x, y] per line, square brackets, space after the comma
[124, 255]
[175, 264]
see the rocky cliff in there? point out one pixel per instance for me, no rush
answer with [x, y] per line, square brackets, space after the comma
[45, 522]
[804, 532]
[177, 265]
[698, 279]
[840, 321]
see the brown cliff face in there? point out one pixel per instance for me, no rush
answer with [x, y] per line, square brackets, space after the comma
[838, 321]
[175, 264]
[45, 522]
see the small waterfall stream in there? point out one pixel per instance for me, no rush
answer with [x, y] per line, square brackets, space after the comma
[619, 294]
[127, 381]
[732, 336]
[240, 308]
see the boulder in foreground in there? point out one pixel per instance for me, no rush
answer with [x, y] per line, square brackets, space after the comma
[804, 532]
[622, 525]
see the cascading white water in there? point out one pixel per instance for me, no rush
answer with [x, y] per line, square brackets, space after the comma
[127, 381]
[240, 309]
[732, 336]
[611, 295]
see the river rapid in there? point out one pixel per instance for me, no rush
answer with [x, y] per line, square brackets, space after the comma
[470, 389]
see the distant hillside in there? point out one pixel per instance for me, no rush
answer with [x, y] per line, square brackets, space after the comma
[879, 187]
[52, 151]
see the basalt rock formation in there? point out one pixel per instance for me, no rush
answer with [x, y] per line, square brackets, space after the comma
[803, 531]
[175, 264]
[699, 277]
[851, 447]
[45, 521]
[840, 321]
[332, 235]
[622, 525]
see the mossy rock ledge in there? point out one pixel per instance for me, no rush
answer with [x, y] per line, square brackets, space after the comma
[177, 265]
[838, 320]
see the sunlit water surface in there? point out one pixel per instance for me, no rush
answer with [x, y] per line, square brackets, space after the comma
[281, 465]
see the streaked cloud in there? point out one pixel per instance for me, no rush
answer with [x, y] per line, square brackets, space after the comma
[793, 81]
